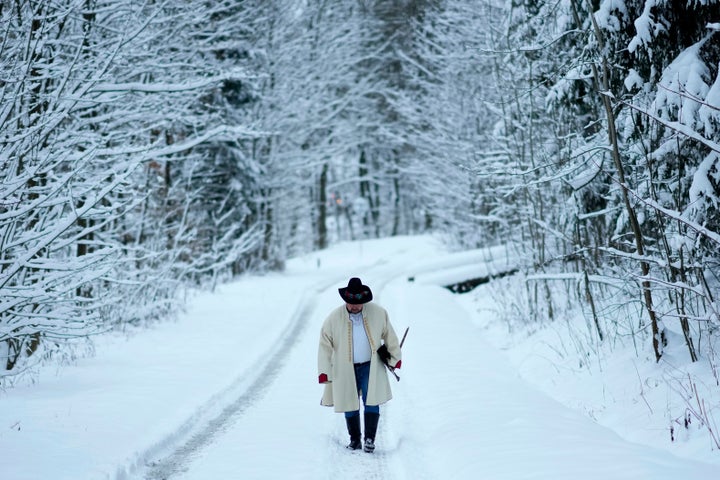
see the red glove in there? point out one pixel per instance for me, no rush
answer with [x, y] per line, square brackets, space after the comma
[398, 364]
[323, 378]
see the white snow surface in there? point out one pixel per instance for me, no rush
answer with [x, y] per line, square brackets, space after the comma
[229, 391]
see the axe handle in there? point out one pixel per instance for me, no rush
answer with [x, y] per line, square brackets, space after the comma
[392, 369]
[404, 335]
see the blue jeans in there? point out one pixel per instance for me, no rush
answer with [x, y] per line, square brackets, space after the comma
[362, 374]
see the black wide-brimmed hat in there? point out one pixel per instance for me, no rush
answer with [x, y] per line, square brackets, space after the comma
[356, 293]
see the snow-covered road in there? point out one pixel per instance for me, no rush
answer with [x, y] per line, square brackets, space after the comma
[241, 401]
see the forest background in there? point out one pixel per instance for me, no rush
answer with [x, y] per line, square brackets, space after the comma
[148, 148]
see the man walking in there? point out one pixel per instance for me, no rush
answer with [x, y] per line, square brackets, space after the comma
[348, 362]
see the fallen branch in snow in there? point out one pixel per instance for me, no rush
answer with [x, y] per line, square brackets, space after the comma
[696, 407]
[642, 393]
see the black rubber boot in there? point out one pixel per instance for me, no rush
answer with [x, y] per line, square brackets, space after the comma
[353, 427]
[371, 424]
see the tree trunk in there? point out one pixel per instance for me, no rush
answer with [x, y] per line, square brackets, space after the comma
[322, 240]
[602, 87]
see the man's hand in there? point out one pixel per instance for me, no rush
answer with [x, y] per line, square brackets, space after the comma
[323, 378]
[384, 354]
[385, 357]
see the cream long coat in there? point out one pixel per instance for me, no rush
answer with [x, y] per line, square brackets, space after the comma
[335, 358]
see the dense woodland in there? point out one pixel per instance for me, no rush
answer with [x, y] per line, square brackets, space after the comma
[148, 147]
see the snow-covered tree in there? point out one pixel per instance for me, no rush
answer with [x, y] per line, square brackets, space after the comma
[97, 100]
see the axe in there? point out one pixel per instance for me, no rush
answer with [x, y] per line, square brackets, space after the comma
[385, 355]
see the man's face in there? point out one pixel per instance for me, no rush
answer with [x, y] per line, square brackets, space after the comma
[352, 308]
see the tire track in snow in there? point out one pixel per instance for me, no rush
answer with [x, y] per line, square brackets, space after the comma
[218, 414]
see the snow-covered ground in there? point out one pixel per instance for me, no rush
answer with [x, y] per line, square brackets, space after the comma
[229, 391]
